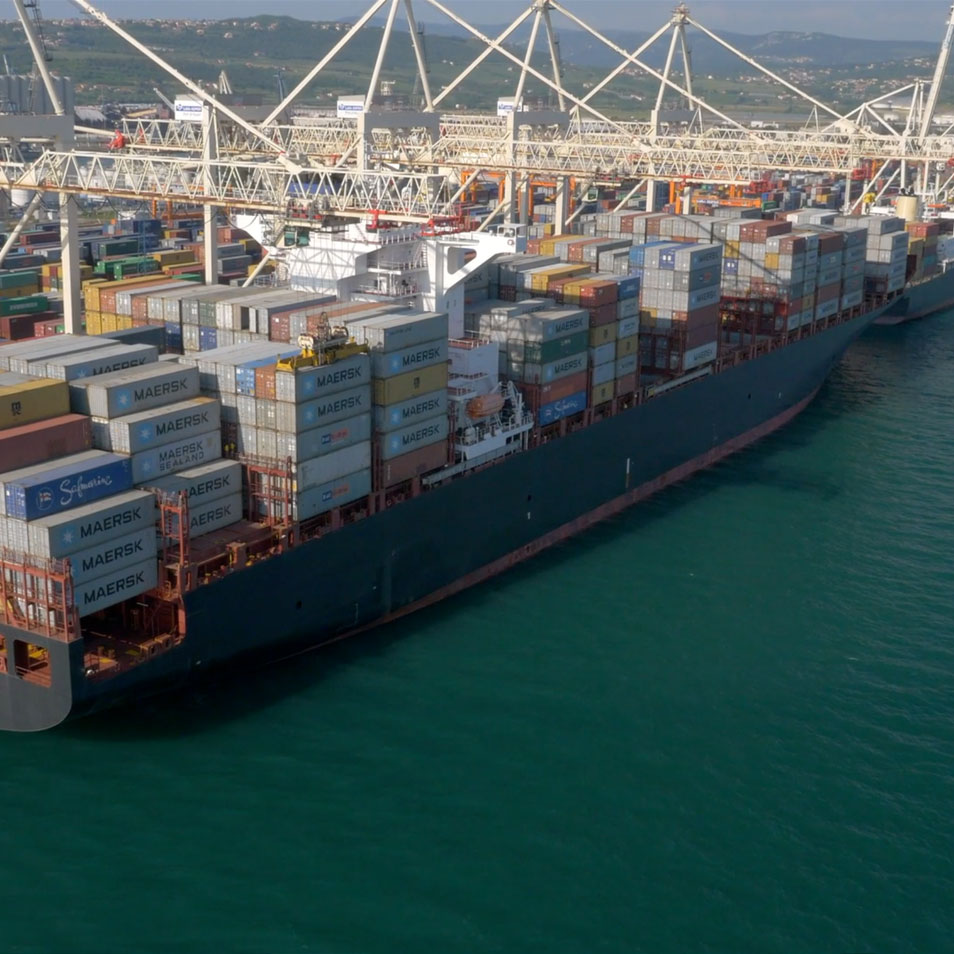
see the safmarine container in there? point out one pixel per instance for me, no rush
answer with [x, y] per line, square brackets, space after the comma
[391, 417]
[101, 361]
[403, 387]
[139, 389]
[147, 429]
[202, 484]
[415, 358]
[44, 440]
[78, 529]
[335, 493]
[31, 401]
[108, 556]
[294, 418]
[564, 407]
[175, 456]
[115, 587]
[306, 384]
[320, 440]
[332, 465]
[50, 488]
[408, 439]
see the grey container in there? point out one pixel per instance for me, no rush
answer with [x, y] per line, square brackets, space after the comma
[202, 484]
[115, 587]
[101, 361]
[335, 493]
[332, 465]
[294, 418]
[320, 440]
[306, 384]
[411, 411]
[147, 429]
[214, 515]
[393, 333]
[108, 556]
[175, 456]
[139, 389]
[73, 530]
[412, 438]
[550, 324]
[17, 355]
[389, 364]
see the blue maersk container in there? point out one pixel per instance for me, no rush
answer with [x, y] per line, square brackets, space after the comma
[628, 286]
[61, 488]
[208, 338]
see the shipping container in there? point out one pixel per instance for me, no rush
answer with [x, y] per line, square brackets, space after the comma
[89, 364]
[294, 418]
[109, 556]
[306, 384]
[406, 413]
[331, 465]
[45, 489]
[221, 478]
[138, 389]
[320, 440]
[564, 407]
[335, 493]
[403, 387]
[199, 448]
[114, 516]
[415, 358]
[44, 440]
[113, 588]
[388, 333]
[147, 429]
[408, 439]
[425, 459]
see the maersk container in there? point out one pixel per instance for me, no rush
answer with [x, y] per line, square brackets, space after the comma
[20, 352]
[50, 488]
[213, 515]
[408, 412]
[109, 556]
[139, 389]
[550, 324]
[306, 384]
[116, 516]
[397, 332]
[335, 493]
[627, 327]
[222, 478]
[101, 361]
[403, 387]
[557, 410]
[177, 455]
[331, 465]
[294, 418]
[147, 429]
[115, 587]
[626, 365]
[320, 440]
[563, 368]
[415, 358]
[407, 439]
[31, 401]
[44, 440]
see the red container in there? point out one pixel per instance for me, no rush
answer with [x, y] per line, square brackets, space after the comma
[626, 384]
[51, 326]
[828, 293]
[421, 461]
[265, 383]
[35, 443]
[600, 292]
[555, 289]
[533, 246]
[279, 328]
[575, 250]
[537, 395]
[603, 315]
[17, 327]
[831, 242]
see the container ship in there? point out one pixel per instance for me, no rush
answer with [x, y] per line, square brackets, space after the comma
[217, 475]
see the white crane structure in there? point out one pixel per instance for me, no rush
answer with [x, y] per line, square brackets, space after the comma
[415, 166]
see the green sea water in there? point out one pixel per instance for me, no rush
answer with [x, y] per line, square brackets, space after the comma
[723, 722]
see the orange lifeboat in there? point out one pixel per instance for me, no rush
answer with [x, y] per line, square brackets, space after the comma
[484, 406]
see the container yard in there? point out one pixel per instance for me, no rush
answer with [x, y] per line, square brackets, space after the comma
[361, 408]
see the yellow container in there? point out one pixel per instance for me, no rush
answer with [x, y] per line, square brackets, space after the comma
[33, 401]
[403, 387]
[602, 335]
[94, 323]
[647, 318]
[731, 249]
[30, 289]
[602, 393]
[109, 323]
[625, 346]
[771, 261]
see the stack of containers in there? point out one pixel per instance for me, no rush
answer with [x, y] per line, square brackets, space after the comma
[922, 249]
[548, 359]
[18, 355]
[323, 426]
[409, 367]
[213, 492]
[679, 297]
[82, 507]
[886, 258]
[830, 274]
[627, 336]
[791, 272]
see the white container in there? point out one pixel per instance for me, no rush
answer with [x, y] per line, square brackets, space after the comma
[327, 467]
[335, 493]
[90, 363]
[127, 392]
[321, 440]
[603, 353]
[432, 404]
[109, 556]
[113, 588]
[214, 515]
[95, 523]
[307, 384]
[392, 333]
[207, 482]
[147, 429]
[294, 418]
[175, 456]
[388, 364]
[407, 439]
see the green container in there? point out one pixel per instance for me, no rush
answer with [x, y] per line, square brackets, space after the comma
[16, 279]
[543, 352]
[25, 305]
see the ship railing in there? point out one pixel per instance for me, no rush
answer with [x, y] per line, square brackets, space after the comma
[36, 595]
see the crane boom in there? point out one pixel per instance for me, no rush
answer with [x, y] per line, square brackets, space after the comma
[940, 71]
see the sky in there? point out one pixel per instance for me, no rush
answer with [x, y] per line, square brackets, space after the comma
[870, 19]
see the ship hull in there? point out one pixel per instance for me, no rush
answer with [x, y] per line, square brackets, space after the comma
[921, 300]
[455, 535]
